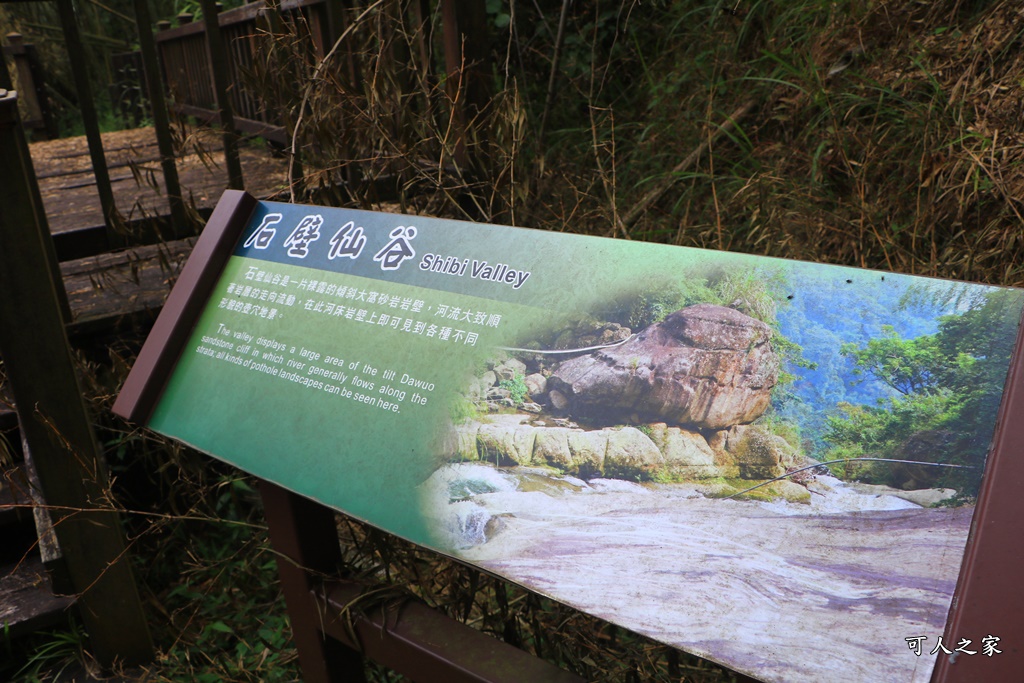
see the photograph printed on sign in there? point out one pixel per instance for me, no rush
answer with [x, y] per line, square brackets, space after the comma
[742, 457]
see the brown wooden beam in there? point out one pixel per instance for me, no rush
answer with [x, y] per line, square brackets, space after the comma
[16, 136]
[425, 645]
[219, 75]
[145, 384]
[56, 425]
[238, 15]
[988, 600]
[267, 131]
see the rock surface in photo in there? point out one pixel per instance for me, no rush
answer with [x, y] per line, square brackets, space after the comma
[704, 366]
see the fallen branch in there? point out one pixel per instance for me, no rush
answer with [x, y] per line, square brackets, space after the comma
[669, 180]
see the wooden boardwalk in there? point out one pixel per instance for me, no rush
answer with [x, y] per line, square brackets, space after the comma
[66, 180]
[110, 286]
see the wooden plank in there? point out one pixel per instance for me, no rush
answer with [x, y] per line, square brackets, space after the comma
[26, 602]
[123, 287]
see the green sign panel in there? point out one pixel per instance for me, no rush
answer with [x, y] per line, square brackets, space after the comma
[579, 414]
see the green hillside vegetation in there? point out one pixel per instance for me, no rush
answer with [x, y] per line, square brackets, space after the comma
[948, 386]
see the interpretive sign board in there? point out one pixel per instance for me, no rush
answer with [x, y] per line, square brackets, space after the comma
[584, 416]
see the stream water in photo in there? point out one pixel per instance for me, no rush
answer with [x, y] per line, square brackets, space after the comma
[782, 591]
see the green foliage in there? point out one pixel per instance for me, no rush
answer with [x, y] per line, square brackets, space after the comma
[652, 305]
[50, 654]
[907, 365]
[786, 429]
[227, 612]
[949, 386]
[462, 409]
[882, 430]
[889, 163]
[754, 292]
[516, 388]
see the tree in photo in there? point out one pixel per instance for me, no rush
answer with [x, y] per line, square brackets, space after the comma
[946, 390]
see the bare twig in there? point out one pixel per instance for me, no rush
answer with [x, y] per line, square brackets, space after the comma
[309, 89]
[559, 39]
[663, 185]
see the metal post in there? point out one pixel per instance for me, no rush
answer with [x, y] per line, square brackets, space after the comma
[161, 122]
[219, 71]
[73, 39]
[305, 538]
[56, 425]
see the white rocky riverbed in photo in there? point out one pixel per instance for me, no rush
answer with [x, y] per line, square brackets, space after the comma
[782, 591]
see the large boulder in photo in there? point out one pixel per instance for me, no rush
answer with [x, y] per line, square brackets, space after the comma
[705, 366]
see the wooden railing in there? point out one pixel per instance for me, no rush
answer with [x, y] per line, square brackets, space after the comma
[113, 234]
[203, 66]
[188, 75]
[188, 56]
[41, 373]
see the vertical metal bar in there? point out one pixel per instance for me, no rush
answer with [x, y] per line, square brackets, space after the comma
[305, 537]
[161, 121]
[219, 77]
[25, 156]
[76, 50]
[56, 424]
